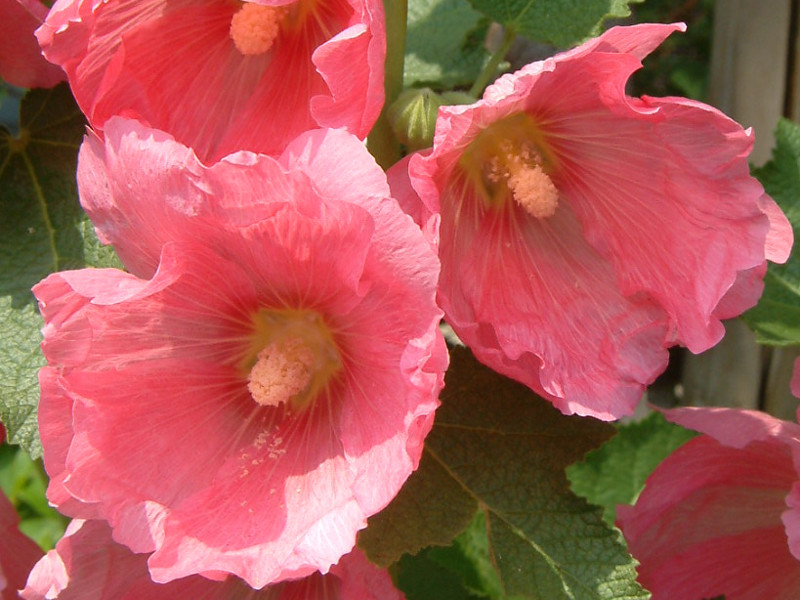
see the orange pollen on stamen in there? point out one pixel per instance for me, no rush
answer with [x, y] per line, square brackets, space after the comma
[254, 27]
[292, 360]
[283, 371]
[520, 169]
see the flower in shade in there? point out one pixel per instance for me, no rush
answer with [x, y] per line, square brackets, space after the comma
[21, 60]
[223, 75]
[88, 565]
[583, 232]
[262, 379]
[721, 515]
[18, 553]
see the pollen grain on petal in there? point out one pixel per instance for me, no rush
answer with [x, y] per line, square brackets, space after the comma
[282, 371]
[293, 358]
[534, 191]
[505, 162]
[254, 28]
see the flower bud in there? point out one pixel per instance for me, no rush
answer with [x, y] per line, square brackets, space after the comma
[413, 117]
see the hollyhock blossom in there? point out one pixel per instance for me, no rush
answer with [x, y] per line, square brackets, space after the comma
[21, 60]
[583, 231]
[262, 380]
[18, 553]
[721, 515]
[223, 75]
[88, 565]
[796, 378]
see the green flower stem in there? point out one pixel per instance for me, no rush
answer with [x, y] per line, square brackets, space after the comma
[381, 141]
[487, 74]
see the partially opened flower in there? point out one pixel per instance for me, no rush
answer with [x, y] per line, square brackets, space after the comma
[18, 553]
[583, 231]
[721, 515]
[246, 401]
[21, 60]
[223, 75]
[88, 565]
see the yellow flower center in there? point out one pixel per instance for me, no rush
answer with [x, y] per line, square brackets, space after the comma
[254, 27]
[292, 359]
[506, 161]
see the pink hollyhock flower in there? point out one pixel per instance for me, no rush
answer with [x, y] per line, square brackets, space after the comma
[583, 231]
[18, 553]
[796, 378]
[222, 75]
[88, 565]
[246, 402]
[721, 515]
[21, 60]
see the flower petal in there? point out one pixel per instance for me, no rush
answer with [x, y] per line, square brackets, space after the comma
[655, 219]
[713, 516]
[21, 60]
[18, 553]
[174, 66]
[88, 565]
[165, 441]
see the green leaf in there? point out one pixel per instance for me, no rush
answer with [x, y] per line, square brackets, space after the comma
[422, 578]
[776, 319]
[505, 450]
[562, 23]
[414, 520]
[444, 44]
[615, 474]
[42, 229]
[23, 481]
[469, 557]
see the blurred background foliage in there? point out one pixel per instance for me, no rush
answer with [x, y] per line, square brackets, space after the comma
[680, 66]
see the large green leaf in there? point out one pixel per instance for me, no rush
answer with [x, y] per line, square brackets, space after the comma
[470, 558]
[559, 22]
[431, 508]
[42, 229]
[776, 319]
[422, 578]
[615, 474]
[444, 44]
[460, 571]
[499, 449]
